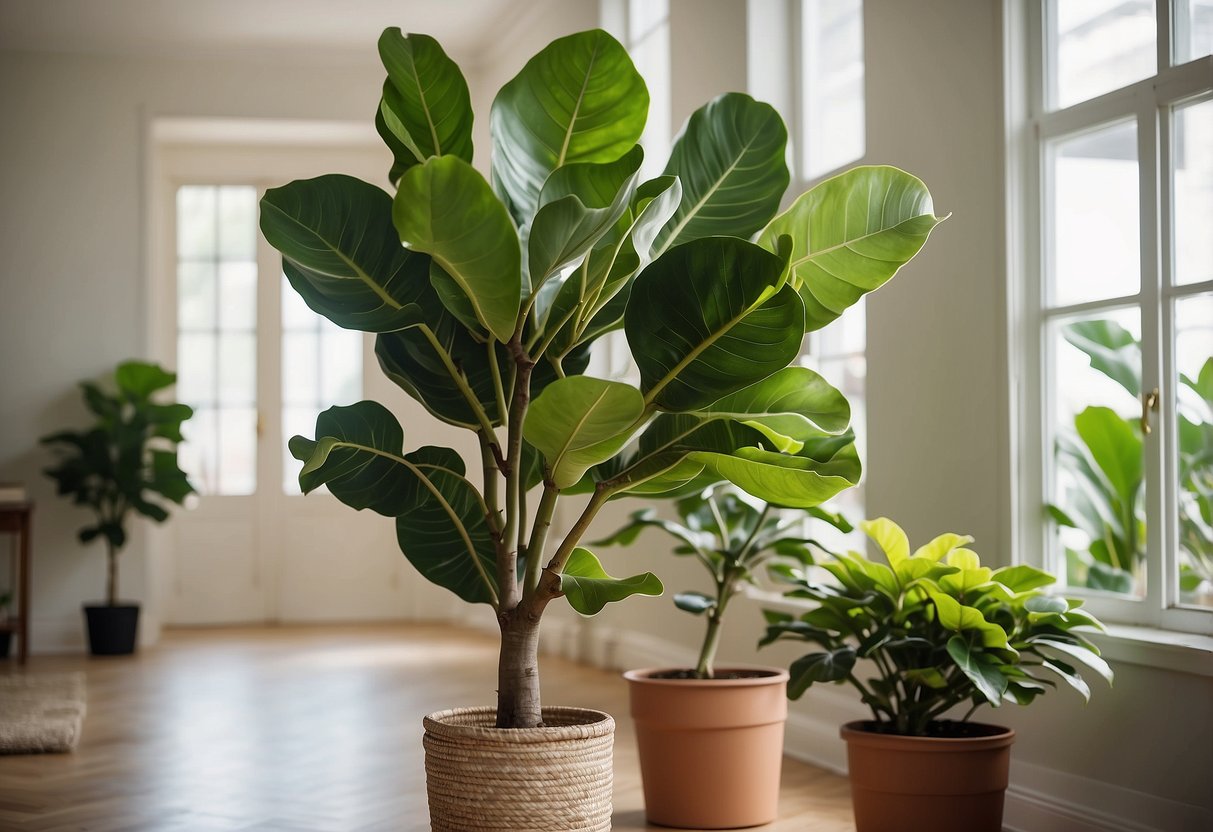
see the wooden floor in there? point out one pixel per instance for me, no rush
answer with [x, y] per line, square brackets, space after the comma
[303, 730]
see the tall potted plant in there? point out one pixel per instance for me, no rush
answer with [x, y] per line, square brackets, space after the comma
[486, 299]
[117, 468]
[939, 631]
[711, 739]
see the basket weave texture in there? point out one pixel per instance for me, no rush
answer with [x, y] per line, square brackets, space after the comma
[557, 778]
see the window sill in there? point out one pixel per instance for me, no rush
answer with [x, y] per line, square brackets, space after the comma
[1163, 649]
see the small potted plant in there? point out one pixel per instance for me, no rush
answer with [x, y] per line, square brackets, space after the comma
[116, 468]
[938, 630]
[486, 295]
[711, 739]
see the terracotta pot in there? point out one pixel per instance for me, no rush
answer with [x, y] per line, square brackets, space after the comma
[936, 783]
[557, 778]
[710, 749]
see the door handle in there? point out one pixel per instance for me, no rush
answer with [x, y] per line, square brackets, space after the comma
[1149, 401]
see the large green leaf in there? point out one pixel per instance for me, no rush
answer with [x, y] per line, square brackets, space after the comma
[1112, 350]
[579, 100]
[793, 403]
[830, 666]
[139, 379]
[708, 318]
[1116, 449]
[790, 480]
[445, 209]
[426, 106]
[579, 203]
[589, 588]
[850, 234]
[731, 160]
[440, 517]
[980, 669]
[579, 421]
[341, 254]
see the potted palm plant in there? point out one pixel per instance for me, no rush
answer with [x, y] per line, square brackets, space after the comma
[939, 631]
[117, 468]
[711, 739]
[486, 296]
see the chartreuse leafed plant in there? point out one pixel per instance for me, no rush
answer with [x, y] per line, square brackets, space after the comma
[1103, 455]
[733, 535]
[126, 460]
[937, 628]
[487, 295]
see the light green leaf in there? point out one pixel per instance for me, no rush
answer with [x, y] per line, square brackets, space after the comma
[589, 588]
[941, 546]
[341, 254]
[426, 106]
[579, 100]
[794, 402]
[709, 318]
[1112, 350]
[440, 516]
[1080, 653]
[850, 234]
[954, 615]
[731, 160]
[579, 203]
[784, 479]
[445, 209]
[139, 379]
[889, 537]
[580, 421]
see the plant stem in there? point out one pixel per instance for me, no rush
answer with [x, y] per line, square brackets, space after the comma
[539, 537]
[507, 567]
[726, 588]
[518, 701]
[601, 495]
[749, 541]
[111, 580]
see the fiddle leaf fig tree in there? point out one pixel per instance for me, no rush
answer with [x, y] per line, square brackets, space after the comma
[487, 294]
[126, 463]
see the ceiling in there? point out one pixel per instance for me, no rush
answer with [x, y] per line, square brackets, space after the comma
[333, 29]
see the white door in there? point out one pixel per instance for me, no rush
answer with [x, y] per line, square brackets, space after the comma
[258, 365]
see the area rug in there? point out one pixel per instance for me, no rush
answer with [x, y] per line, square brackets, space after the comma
[40, 713]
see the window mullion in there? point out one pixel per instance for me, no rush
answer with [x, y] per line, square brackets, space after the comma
[1148, 145]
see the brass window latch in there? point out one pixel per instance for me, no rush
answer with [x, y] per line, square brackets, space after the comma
[1149, 401]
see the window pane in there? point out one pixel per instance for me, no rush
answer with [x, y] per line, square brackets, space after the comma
[1098, 480]
[300, 368]
[237, 369]
[1192, 157]
[832, 79]
[196, 368]
[1100, 45]
[1094, 221]
[196, 222]
[1193, 29]
[197, 454]
[1194, 434]
[238, 296]
[646, 15]
[237, 451]
[340, 365]
[238, 223]
[196, 295]
[651, 54]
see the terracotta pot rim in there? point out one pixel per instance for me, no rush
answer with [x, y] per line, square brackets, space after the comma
[775, 676]
[857, 732]
[478, 723]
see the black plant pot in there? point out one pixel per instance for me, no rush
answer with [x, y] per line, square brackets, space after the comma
[112, 630]
[6, 640]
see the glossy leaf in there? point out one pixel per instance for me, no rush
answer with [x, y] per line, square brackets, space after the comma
[695, 603]
[579, 421]
[579, 100]
[1112, 350]
[784, 479]
[444, 208]
[579, 203]
[426, 106]
[850, 234]
[984, 675]
[1115, 448]
[831, 666]
[589, 588]
[341, 254]
[794, 402]
[709, 318]
[889, 537]
[731, 160]
[440, 517]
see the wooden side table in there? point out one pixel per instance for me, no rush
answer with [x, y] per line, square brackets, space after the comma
[15, 520]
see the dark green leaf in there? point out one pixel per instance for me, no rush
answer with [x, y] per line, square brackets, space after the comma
[831, 666]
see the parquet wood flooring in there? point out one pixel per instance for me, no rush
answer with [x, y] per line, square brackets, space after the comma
[303, 729]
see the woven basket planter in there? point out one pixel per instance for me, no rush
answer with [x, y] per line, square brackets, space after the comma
[486, 779]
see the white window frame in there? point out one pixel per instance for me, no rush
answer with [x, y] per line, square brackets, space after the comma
[1030, 127]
